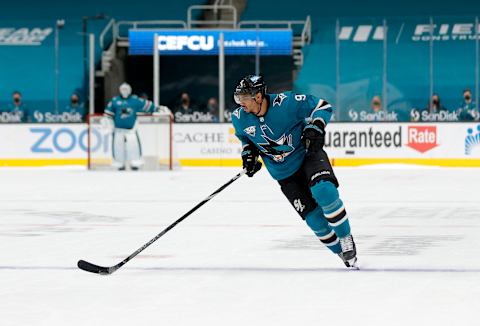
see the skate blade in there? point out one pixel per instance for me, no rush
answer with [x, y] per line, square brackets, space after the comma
[353, 265]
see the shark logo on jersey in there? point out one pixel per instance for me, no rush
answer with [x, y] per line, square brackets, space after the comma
[279, 99]
[126, 112]
[277, 149]
[250, 130]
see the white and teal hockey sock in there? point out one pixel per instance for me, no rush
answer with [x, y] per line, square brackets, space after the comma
[322, 230]
[327, 197]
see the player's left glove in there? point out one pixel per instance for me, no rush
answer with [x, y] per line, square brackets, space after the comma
[250, 159]
[313, 136]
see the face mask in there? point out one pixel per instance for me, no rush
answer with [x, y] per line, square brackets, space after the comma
[376, 103]
[467, 97]
[184, 101]
[16, 100]
[125, 90]
[74, 101]
[436, 102]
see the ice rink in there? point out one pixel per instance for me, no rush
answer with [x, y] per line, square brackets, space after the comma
[244, 258]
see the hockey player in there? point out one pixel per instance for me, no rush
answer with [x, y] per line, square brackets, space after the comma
[123, 110]
[288, 131]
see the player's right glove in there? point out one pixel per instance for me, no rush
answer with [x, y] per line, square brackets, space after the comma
[313, 136]
[250, 160]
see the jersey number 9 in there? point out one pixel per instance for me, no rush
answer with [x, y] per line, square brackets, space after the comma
[300, 97]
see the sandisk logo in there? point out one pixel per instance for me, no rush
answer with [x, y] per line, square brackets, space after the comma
[179, 42]
[422, 138]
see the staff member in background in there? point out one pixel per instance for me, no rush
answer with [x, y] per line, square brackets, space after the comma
[212, 108]
[468, 110]
[76, 107]
[185, 105]
[435, 106]
[17, 109]
[376, 104]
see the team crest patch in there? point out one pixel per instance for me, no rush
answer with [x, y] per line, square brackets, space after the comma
[279, 99]
[126, 112]
[237, 113]
[250, 130]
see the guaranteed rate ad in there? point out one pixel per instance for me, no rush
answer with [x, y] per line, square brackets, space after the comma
[201, 42]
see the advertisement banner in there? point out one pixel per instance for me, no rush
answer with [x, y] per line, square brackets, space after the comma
[43, 144]
[349, 144]
[211, 144]
[29, 141]
[440, 144]
[443, 29]
[215, 144]
[205, 42]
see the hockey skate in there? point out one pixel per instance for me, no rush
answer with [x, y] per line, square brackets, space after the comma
[349, 252]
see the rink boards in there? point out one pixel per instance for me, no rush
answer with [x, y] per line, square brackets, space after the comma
[205, 144]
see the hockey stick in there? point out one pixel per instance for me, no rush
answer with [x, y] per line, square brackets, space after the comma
[92, 268]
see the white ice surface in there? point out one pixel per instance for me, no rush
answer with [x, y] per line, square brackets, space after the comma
[244, 258]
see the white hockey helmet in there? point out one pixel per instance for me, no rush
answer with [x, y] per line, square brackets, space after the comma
[125, 90]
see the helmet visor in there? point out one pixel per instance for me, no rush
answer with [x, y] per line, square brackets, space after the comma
[242, 98]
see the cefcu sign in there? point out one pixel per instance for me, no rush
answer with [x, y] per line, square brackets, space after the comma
[201, 42]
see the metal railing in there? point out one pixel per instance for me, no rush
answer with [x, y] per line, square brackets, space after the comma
[269, 23]
[178, 24]
[299, 40]
[116, 27]
[306, 35]
[110, 26]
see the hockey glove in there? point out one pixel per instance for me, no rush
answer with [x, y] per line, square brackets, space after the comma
[313, 136]
[250, 159]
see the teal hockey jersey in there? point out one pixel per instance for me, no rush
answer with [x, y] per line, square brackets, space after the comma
[124, 111]
[278, 133]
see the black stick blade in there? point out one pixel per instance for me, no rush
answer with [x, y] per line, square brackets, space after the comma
[92, 268]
